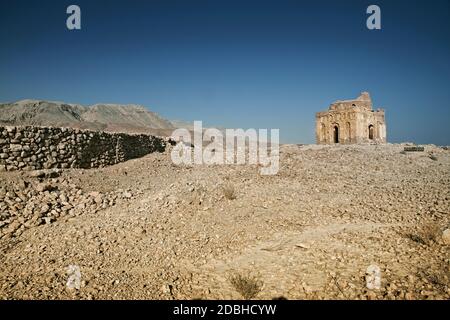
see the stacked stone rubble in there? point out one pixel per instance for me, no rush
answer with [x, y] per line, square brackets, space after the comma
[33, 148]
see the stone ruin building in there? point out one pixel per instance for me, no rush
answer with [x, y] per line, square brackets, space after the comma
[351, 121]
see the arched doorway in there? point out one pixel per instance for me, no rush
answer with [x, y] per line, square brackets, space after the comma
[336, 134]
[370, 132]
[349, 132]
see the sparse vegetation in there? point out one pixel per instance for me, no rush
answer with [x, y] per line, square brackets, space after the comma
[426, 234]
[438, 278]
[416, 238]
[294, 231]
[229, 192]
[248, 286]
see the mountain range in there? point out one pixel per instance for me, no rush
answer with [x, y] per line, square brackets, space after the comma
[105, 117]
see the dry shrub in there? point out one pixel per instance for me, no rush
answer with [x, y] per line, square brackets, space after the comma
[229, 192]
[428, 233]
[246, 285]
[437, 278]
[416, 238]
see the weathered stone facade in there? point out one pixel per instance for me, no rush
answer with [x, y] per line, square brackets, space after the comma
[32, 148]
[351, 121]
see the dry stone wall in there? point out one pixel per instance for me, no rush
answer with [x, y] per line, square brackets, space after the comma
[33, 148]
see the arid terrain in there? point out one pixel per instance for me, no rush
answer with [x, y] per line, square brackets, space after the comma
[99, 117]
[147, 229]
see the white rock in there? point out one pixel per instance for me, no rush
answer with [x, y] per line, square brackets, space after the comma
[446, 236]
[373, 277]
[74, 280]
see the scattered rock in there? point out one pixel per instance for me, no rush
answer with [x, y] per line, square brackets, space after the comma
[328, 210]
[127, 195]
[47, 220]
[373, 277]
[41, 187]
[74, 277]
[446, 236]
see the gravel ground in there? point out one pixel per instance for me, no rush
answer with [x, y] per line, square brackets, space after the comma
[147, 229]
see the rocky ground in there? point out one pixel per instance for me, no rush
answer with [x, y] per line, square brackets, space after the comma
[147, 229]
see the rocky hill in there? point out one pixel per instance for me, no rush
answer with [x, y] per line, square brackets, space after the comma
[107, 117]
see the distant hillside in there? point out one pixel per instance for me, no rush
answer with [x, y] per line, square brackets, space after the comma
[106, 117]
[182, 124]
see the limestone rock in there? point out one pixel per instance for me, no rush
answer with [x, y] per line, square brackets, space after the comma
[446, 236]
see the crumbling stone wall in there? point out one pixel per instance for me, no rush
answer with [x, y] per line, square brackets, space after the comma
[33, 148]
[351, 121]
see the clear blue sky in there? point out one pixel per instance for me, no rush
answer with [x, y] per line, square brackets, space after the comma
[240, 64]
